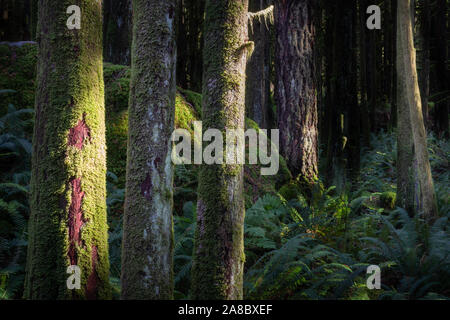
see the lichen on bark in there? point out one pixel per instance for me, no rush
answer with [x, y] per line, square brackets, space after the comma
[147, 271]
[217, 271]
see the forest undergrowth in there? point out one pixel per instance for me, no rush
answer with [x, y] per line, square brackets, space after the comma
[296, 248]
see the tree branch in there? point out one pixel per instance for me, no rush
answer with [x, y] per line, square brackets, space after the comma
[266, 15]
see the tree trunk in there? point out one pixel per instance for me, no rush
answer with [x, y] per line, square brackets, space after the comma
[117, 29]
[441, 57]
[414, 183]
[343, 138]
[424, 75]
[258, 82]
[68, 225]
[393, 49]
[182, 45]
[195, 17]
[295, 86]
[365, 113]
[218, 267]
[147, 271]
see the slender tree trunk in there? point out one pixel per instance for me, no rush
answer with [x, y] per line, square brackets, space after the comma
[258, 82]
[424, 75]
[147, 271]
[354, 116]
[329, 85]
[117, 29]
[343, 145]
[68, 225]
[414, 182]
[442, 70]
[195, 12]
[295, 86]
[388, 57]
[217, 271]
[394, 62]
[365, 114]
[182, 45]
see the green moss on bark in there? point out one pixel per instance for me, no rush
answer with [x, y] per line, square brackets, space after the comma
[68, 186]
[218, 266]
[147, 271]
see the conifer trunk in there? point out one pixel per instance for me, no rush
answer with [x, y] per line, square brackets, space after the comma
[68, 225]
[147, 271]
[414, 182]
[218, 267]
[295, 86]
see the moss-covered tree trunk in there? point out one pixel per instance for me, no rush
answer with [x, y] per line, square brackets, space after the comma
[219, 245]
[414, 182]
[147, 271]
[117, 29]
[68, 225]
[295, 86]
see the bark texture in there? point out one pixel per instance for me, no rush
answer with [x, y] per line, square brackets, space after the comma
[295, 86]
[147, 270]
[217, 271]
[68, 225]
[414, 182]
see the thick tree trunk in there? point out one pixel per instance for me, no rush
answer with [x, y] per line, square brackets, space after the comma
[295, 86]
[147, 271]
[258, 81]
[117, 29]
[68, 225]
[414, 183]
[218, 267]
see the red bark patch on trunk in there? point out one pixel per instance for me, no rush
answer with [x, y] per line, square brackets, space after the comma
[92, 283]
[78, 134]
[76, 219]
[146, 187]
